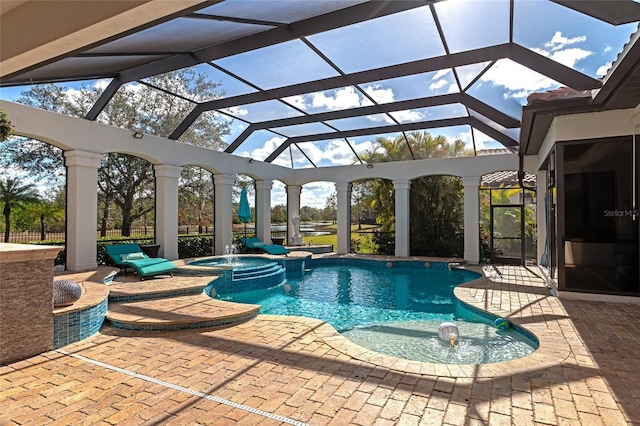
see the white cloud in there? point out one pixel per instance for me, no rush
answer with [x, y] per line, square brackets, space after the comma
[310, 149]
[380, 94]
[604, 69]
[558, 41]
[570, 57]
[343, 99]
[521, 81]
[438, 84]
[379, 118]
[441, 73]
[297, 101]
[404, 116]
[262, 153]
[315, 194]
[408, 115]
[339, 153]
[480, 138]
[516, 78]
[237, 111]
[102, 84]
[278, 193]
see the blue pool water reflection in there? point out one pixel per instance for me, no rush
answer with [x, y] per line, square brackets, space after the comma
[393, 310]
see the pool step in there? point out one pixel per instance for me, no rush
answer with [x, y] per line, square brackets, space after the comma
[129, 288]
[250, 279]
[258, 271]
[193, 312]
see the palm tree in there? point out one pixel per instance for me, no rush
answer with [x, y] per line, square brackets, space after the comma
[13, 193]
[43, 212]
[435, 201]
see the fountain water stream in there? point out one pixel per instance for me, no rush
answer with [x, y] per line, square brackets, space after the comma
[231, 253]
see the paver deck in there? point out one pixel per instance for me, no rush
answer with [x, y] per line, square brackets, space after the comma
[290, 370]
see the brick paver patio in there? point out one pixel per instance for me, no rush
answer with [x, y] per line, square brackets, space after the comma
[286, 370]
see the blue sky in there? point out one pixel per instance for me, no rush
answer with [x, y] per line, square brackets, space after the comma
[577, 41]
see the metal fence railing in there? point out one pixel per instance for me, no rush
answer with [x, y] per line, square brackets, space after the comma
[23, 237]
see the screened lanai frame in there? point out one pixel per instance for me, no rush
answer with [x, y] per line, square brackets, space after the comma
[508, 209]
[427, 53]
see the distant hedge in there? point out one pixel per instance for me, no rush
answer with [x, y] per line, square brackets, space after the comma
[195, 246]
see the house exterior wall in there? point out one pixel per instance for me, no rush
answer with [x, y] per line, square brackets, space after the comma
[581, 127]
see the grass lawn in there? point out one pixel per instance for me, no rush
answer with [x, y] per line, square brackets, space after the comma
[363, 235]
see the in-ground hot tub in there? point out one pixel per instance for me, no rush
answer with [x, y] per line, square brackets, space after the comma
[240, 272]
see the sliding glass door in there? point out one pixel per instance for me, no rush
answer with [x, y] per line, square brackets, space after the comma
[597, 223]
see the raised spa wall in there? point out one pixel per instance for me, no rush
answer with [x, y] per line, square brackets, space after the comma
[291, 266]
[26, 300]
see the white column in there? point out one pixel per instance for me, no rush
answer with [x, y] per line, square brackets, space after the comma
[403, 227]
[82, 209]
[471, 219]
[263, 210]
[344, 217]
[541, 213]
[223, 220]
[293, 209]
[167, 178]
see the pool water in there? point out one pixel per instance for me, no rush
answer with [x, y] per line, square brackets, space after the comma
[238, 262]
[395, 311]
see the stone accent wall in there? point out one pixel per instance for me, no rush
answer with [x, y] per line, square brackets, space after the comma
[26, 303]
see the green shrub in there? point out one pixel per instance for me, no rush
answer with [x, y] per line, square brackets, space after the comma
[195, 246]
[385, 242]
[366, 246]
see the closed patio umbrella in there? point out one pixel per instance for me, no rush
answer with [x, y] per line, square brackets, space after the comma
[244, 211]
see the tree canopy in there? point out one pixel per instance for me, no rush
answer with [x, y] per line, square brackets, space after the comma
[14, 193]
[125, 181]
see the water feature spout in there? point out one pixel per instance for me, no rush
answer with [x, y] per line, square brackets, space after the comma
[231, 253]
[448, 331]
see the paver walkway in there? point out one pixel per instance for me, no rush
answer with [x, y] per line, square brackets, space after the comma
[285, 370]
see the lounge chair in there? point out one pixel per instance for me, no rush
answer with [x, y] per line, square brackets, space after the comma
[254, 244]
[131, 256]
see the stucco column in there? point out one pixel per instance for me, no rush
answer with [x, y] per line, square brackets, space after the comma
[223, 212]
[344, 217]
[471, 219]
[263, 210]
[293, 209]
[403, 227]
[82, 209]
[167, 178]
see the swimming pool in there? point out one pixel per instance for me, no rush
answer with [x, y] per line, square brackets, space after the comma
[394, 310]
